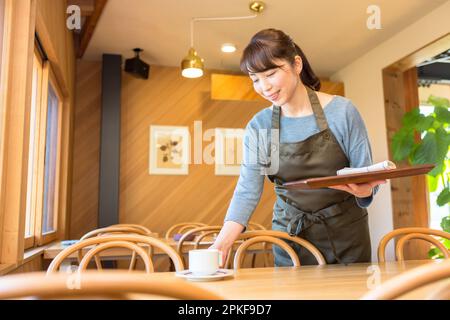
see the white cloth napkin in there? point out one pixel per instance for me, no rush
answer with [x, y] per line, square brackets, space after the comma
[380, 166]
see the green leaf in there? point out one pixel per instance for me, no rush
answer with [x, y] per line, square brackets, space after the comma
[437, 171]
[411, 118]
[424, 123]
[443, 197]
[439, 102]
[427, 151]
[435, 253]
[445, 224]
[433, 183]
[402, 144]
[446, 242]
[442, 114]
[442, 143]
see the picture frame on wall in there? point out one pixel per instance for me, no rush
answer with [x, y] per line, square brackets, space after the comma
[169, 150]
[229, 150]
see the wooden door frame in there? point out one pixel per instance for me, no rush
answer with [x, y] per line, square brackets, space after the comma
[410, 196]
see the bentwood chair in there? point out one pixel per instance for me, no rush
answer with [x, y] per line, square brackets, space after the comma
[112, 284]
[278, 238]
[255, 226]
[252, 226]
[121, 229]
[180, 228]
[415, 279]
[134, 243]
[407, 234]
[135, 226]
[117, 229]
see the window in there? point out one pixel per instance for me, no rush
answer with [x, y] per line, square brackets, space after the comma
[436, 213]
[41, 223]
[50, 209]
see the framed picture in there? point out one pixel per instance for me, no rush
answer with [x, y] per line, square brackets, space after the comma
[169, 150]
[229, 151]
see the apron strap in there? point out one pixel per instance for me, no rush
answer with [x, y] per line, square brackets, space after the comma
[274, 142]
[317, 109]
[276, 114]
[330, 239]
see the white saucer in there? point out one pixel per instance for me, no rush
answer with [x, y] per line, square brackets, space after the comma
[219, 275]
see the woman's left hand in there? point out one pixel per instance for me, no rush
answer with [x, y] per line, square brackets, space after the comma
[360, 190]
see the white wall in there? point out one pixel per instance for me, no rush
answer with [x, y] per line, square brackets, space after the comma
[364, 86]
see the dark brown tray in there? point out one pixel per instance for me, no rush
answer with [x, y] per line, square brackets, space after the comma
[323, 182]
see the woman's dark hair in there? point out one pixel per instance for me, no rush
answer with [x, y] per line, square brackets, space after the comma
[270, 44]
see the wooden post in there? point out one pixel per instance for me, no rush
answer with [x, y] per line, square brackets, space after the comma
[17, 103]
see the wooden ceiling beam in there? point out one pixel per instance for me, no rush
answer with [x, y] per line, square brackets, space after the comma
[90, 25]
[87, 6]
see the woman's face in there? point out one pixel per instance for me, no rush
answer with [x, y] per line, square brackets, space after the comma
[278, 85]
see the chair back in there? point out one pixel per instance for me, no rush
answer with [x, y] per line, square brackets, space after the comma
[133, 247]
[142, 241]
[411, 280]
[115, 230]
[239, 256]
[411, 233]
[285, 236]
[111, 284]
[182, 227]
[255, 226]
[132, 225]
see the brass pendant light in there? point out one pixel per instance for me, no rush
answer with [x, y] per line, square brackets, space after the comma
[192, 65]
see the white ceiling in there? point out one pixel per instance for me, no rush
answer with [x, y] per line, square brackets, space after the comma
[332, 33]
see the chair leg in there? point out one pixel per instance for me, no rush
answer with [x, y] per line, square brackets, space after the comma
[171, 265]
[253, 260]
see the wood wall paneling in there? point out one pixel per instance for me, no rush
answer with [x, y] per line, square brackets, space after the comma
[33, 265]
[86, 149]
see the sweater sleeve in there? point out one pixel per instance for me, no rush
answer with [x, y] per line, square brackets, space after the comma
[358, 146]
[251, 180]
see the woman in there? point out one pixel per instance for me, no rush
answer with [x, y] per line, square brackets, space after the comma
[309, 134]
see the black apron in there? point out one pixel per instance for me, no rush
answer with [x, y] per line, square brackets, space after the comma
[330, 219]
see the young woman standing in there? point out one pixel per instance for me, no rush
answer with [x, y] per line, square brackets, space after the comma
[308, 134]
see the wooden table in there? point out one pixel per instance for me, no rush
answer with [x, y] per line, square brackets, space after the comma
[327, 282]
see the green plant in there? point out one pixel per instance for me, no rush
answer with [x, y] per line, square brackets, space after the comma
[435, 253]
[432, 148]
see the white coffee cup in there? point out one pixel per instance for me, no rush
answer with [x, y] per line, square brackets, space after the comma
[203, 262]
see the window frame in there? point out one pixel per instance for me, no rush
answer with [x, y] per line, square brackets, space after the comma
[44, 238]
[47, 79]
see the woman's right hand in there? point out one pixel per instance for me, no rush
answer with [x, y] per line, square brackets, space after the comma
[225, 240]
[223, 249]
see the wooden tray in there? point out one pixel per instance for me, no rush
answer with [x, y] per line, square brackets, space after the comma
[323, 182]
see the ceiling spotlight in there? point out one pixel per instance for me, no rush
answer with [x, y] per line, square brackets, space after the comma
[228, 47]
